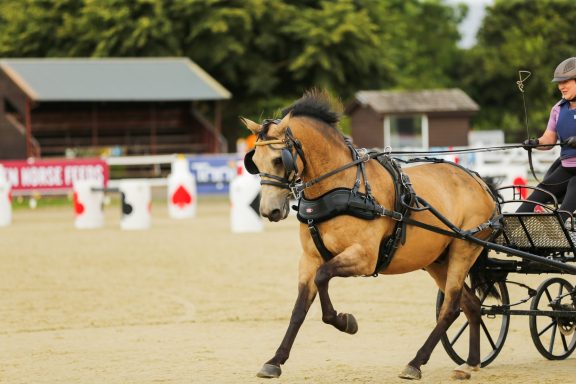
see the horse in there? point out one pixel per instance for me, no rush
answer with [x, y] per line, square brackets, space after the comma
[305, 154]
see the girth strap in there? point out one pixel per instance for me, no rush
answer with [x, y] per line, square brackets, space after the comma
[386, 250]
[315, 234]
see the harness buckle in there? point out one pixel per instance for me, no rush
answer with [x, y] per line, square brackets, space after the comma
[296, 187]
[363, 154]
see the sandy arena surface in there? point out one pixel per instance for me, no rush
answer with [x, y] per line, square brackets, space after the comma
[189, 302]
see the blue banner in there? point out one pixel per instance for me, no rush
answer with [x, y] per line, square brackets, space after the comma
[213, 172]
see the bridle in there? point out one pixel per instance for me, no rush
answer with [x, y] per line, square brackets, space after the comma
[291, 150]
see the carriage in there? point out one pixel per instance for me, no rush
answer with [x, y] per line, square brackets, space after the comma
[545, 245]
[363, 214]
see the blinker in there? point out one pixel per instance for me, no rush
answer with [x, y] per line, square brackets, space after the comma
[249, 163]
[288, 161]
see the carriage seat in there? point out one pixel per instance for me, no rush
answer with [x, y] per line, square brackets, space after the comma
[539, 233]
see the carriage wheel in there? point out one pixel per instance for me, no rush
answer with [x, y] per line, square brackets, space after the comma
[493, 329]
[554, 337]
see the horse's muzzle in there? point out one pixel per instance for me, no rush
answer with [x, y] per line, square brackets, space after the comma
[277, 214]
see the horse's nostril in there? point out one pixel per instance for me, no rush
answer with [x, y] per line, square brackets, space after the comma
[275, 215]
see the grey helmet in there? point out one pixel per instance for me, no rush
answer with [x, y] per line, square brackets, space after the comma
[566, 70]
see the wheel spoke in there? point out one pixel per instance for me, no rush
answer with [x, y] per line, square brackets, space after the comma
[547, 328]
[552, 339]
[564, 343]
[458, 334]
[484, 296]
[487, 333]
[548, 295]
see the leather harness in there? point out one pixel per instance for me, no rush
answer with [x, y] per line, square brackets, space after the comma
[349, 201]
[343, 201]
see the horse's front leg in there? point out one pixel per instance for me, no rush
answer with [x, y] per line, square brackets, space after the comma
[306, 294]
[351, 262]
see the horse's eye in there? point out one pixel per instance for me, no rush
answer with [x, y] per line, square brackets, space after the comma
[277, 161]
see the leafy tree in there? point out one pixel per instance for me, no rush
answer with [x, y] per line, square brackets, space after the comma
[419, 46]
[266, 52]
[33, 28]
[519, 35]
[120, 28]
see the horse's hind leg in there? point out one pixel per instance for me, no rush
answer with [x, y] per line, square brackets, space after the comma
[306, 294]
[470, 305]
[461, 256]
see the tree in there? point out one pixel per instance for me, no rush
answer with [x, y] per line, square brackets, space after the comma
[519, 35]
[266, 52]
[419, 46]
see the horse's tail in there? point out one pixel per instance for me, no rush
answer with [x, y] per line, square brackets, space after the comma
[481, 280]
[492, 187]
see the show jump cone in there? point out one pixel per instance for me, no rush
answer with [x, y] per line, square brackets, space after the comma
[245, 203]
[136, 204]
[182, 194]
[5, 199]
[88, 204]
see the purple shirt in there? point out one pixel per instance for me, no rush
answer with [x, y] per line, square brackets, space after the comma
[552, 121]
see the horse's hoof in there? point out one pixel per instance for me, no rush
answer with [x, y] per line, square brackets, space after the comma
[464, 372]
[270, 371]
[410, 373]
[351, 324]
[460, 375]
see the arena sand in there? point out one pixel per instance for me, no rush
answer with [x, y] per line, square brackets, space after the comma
[189, 302]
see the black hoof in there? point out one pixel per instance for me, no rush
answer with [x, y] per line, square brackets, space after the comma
[351, 324]
[270, 371]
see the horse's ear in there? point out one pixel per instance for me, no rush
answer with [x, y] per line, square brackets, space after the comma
[255, 128]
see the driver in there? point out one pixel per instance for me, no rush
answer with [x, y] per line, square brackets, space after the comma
[560, 181]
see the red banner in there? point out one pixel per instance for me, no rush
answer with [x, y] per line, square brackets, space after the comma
[53, 176]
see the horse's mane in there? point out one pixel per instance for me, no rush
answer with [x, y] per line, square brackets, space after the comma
[318, 105]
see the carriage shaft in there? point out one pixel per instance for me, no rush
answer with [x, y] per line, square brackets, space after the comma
[499, 310]
[564, 267]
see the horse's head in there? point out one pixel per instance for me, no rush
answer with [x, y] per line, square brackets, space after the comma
[276, 159]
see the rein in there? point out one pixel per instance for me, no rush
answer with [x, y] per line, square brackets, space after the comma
[300, 187]
[294, 183]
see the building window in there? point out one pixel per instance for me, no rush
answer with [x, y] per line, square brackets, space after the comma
[406, 131]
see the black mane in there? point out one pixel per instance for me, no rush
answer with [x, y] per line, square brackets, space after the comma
[317, 105]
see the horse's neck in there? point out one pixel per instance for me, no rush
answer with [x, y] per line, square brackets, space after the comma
[322, 157]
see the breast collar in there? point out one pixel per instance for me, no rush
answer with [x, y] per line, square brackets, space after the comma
[348, 201]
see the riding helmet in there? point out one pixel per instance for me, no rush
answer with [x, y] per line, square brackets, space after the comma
[566, 70]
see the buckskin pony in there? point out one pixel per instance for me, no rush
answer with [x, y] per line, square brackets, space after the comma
[362, 215]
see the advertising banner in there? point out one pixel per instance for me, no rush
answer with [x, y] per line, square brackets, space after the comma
[213, 173]
[53, 176]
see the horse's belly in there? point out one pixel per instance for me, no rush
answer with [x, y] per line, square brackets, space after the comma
[417, 254]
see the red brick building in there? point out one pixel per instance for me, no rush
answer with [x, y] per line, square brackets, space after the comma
[58, 107]
[414, 119]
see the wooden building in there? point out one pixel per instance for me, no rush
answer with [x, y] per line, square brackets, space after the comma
[414, 119]
[58, 107]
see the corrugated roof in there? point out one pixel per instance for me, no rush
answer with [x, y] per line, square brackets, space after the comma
[113, 79]
[439, 100]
